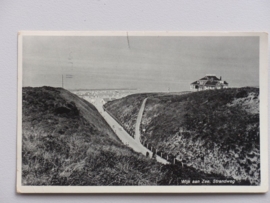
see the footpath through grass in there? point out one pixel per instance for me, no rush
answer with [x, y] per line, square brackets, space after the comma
[215, 131]
[62, 147]
[65, 141]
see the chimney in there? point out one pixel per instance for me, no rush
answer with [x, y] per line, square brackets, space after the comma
[220, 78]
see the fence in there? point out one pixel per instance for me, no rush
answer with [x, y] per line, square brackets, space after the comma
[168, 157]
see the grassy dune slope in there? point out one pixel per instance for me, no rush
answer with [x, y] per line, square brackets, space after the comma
[127, 109]
[66, 142]
[212, 131]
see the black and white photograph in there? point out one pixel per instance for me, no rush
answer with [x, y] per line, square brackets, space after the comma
[142, 112]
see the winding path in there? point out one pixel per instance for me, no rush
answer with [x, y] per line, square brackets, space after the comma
[138, 122]
[122, 134]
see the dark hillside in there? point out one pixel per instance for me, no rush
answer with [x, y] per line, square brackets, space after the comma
[89, 112]
[58, 102]
[214, 131]
[66, 142]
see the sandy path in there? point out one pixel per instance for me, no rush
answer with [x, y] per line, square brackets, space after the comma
[138, 122]
[122, 134]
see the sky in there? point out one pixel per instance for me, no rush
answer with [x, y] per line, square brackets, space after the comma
[146, 63]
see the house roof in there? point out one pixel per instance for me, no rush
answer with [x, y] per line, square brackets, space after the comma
[210, 77]
[199, 83]
[208, 80]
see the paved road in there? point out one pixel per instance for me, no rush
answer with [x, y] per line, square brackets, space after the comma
[122, 134]
[137, 135]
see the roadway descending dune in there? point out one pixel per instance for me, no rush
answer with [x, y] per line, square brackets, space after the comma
[127, 109]
[215, 131]
[67, 142]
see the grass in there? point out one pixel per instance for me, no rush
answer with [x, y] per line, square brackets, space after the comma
[127, 109]
[65, 141]
[62, 147]
[214, 131]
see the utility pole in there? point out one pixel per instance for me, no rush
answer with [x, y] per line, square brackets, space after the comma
[62, 81]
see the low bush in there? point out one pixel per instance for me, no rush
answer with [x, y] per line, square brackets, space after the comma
[209, 124]
[61, 147]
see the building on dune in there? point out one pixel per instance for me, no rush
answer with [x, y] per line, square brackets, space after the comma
[209, 82]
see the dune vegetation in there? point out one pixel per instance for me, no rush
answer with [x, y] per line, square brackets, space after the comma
[62, 147]
[65, 141]
[126, 110]
[215, 131]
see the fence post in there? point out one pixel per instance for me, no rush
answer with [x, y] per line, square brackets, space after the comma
[161, 154]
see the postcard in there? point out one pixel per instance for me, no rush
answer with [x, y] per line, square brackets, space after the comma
[142, 112]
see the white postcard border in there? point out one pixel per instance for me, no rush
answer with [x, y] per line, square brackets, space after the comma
[262, 188]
